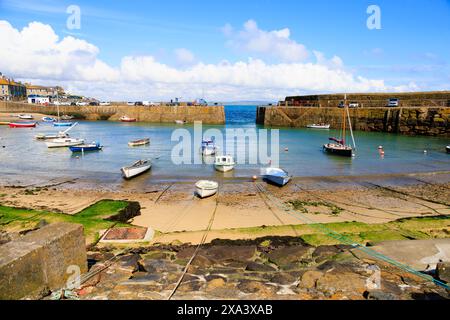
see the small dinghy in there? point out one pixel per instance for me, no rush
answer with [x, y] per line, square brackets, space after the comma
[48, 119]
[127, 119]
[141, 142]
[22, 124]
[64, 142]
[275, 176]
[62, 124]
[42, 136]
[66, 117]
[208, 148]
[224, 163]
[180, 121]
[26, 116]
[206, 188]
[95, 146]
[136, 169]
[318, 126]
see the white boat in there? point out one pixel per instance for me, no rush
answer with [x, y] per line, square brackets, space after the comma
[66, 117]
[318, 126]
[42, 136]
[180, 121]
[224, 163]
[275, 176]
[208, 148]
[136, 169]
[206, 188]
[64, 142]
[26, 116]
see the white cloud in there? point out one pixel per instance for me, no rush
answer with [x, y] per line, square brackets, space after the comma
[37, 54]
[276, 43]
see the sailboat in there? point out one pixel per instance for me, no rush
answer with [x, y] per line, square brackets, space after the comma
[339, 146]
[59, 123]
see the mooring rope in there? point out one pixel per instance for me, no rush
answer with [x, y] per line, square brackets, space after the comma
[343, 239]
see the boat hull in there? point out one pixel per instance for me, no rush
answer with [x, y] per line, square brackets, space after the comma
[62, 144]
[62, 124]
[131, 172]
[277, 180]
[22, 125]
[81, 148]
[224, 167]
[204, 188]
[448, 149]
[338, 151]
[138, 143]
[313, 126]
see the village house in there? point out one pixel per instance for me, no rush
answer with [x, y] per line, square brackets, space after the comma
[36, 90]
[11, 90]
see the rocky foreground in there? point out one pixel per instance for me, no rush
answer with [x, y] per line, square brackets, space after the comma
[266, 268]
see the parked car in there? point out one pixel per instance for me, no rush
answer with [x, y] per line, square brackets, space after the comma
[105, 103]
[353, 105]
[138, 103]
[129, 103]
[393, 102]
[93, 103]
[341, 104]
[73, 103]
[82, 104]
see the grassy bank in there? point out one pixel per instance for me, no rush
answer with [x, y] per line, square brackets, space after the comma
[92, 218]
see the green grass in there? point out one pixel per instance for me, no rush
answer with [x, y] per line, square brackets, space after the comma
[92, 218]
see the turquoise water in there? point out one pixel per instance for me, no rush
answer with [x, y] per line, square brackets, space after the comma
[24, 157]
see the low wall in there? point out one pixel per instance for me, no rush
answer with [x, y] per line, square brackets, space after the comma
[38, 262]
[157, 114]
[408, 121]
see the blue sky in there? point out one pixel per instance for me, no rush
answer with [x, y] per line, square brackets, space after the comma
[412, 49]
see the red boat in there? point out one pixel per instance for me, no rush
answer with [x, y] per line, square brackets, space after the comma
[127, 119]
[22, 124]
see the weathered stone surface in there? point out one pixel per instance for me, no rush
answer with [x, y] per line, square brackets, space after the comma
[310, 278]
[379, 295]
[227, 253]
[255, 266]
[288, 255]
[443, 271]
[39, 261]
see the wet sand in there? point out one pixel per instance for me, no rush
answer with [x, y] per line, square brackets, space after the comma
[176, 213]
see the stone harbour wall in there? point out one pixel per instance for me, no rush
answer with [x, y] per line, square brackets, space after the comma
[156, 114]
[409, 121]
[38, 262]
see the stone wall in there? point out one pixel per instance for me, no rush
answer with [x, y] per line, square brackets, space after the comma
[38, 262]
[157, 114]
[408, 121]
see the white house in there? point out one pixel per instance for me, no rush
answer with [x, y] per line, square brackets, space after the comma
[38, 99]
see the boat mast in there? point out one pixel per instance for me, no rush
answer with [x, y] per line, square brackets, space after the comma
[351, 130]
[343, 120]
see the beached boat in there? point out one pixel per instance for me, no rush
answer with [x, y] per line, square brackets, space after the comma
[224, 163]
[136, 169]
[141, 142]
[26, 116]
[127, 119]
[64, 142]
[318, 126]
[206, 188]
[66, 117]
[48, 119]
[275, 176]
[62, 124]
[339, 146]
[22, 124]
[180, 121]
[208, 148]
[95, 146]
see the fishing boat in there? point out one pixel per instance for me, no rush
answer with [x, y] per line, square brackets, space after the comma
[22, 124]
[318, 126]
[95, 146]
[141, 142]
[339, 146]
[206, 188]
[224, 163]
[136, 169]
[275, 176]
[127, 119]
[208, 148]
[180, 121]
[26, 116]
[62, 124]
[48, 119]
[64, 142]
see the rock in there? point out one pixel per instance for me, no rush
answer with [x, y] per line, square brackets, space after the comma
[309, 279]
[215, 283]
[322, 253]
[289, 255]
[283, 278]
[227, 253]
[130, 262]
[158, 255]
[158, 265]
[255, 266]
[202, 262]
[379, 295]
[332, 282]
[249, 286]
[443, 271]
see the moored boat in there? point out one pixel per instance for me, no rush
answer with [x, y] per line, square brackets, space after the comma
[206, 188]
[22, 124]
[447, 148]
[275, 176]
[127, 119]
[62, 124]
[95, 146]
[318, 126]
[140, 142]
[64, 142]
[224, 163]
[66, 117]
[42, 136]
[208, 148]
[26, 116]
[136, 169]
[180, 121]
[48, 119]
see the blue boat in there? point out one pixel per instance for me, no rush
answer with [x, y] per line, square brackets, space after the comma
[86, 147]
[62, 124]
[48, 119]
[276, 176]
